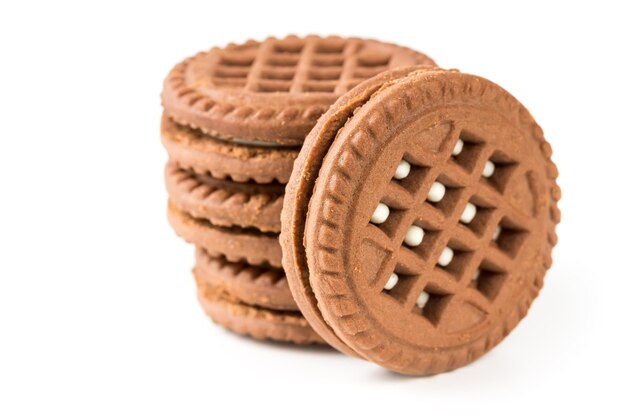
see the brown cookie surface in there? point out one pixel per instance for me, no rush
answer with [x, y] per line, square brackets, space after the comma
[256, 322]
[274, 90]
[234, 243]
[223, 202]
[254, 285]
[419, 219]
[192, 149]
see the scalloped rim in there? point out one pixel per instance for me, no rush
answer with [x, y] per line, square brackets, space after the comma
[260, 286]
[236, 244]
[223, 206]
[225, 159]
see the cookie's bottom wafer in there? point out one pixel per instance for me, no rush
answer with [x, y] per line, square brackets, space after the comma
[255, 322]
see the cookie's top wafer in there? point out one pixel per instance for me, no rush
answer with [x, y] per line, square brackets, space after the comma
[274, 90]
[419, 219]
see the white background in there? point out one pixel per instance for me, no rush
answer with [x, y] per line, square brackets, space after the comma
[97, 306]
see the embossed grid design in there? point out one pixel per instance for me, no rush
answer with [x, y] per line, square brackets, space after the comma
[484, 249]
[299, 65]
[370, 332]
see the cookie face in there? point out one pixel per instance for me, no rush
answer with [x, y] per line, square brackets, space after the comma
[260, 286]
[192, 149]
[430, 226]
[256, 322]
[225, 203]
[236, 244]
[274, 90]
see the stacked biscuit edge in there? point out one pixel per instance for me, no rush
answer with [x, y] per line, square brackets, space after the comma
[233, 123]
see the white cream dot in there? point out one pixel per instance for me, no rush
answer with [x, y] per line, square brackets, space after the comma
[422, 299]
[469, 212]
[446, 257]
[381, 214]
[414, 236]
[489, 169]
[496, 233]
[392, 281]
[458, 147]
[476, 275]
[436, 192]
[402, 171]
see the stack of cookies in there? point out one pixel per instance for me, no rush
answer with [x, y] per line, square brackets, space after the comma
[233, 124]
[416, 206]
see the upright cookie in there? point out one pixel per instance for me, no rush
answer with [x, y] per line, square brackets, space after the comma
[419, 219]
[256, 322]
[273, 91]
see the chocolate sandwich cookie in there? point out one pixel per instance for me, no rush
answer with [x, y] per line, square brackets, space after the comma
[254, 285]
[274, 91]
[419, 220]
[234, 243]
[256, 322]
[224, 202]
[192, 149]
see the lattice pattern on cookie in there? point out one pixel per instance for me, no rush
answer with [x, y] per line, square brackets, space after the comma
[275, 90]
[449, 219]
[299, 65]
[444, 324]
